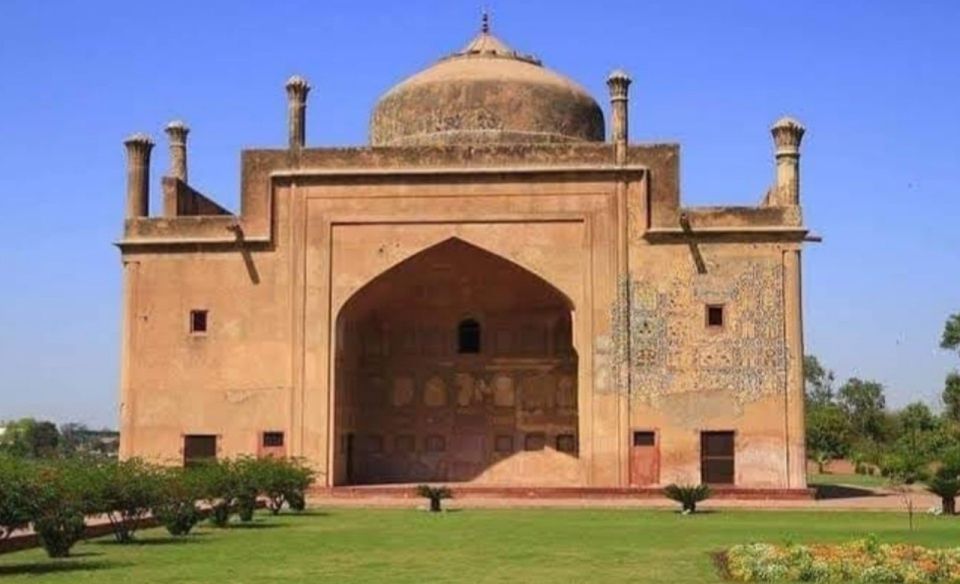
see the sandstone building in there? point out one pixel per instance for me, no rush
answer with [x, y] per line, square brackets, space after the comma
[491, 292]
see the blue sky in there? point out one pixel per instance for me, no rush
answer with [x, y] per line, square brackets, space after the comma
[875, 82]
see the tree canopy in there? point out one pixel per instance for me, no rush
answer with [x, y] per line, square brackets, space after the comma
[951, 333]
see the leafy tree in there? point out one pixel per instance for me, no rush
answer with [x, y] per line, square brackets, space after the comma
[176, 505]
[951, 397]
[946, 485]
[916, 418]
[904, 465]
[818, 382]
[30, 438]
[946, 481]
[864, 403]
[283, 481]
[63, 492]
[71, 437]
[17, 498]
[219, 489]
[951, 333]
[829, 433]
[248, 476]
[128, 490]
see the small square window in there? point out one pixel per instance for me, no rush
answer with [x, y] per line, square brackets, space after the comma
[198, 321]
[535, 441]
[405, 443]
[198, 449]
[375, 443]
[644, 439]
[272, 439]
[436, 443]
[566, 443]
[503, 443]
[715, 316]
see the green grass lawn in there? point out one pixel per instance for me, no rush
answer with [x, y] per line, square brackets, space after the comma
[508, 545]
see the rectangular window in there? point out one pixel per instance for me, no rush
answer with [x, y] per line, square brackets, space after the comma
[644, 439]
[198, 321]
[717, 458]
[436, 443]
[503, 443]
[199, 448]
[715, 316]
[535, 441]
[272, 439]
[566, 443]
[374, 443]
[405, 443]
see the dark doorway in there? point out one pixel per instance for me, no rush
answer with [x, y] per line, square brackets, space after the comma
[717, 458]
[349, 454]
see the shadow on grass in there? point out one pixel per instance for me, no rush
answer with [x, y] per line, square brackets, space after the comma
[844, 492]
[721, 564]
[53, 566]
[311, 513]
[192, 538]
[255, 525]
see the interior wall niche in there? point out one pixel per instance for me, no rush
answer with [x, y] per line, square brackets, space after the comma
[449, 363]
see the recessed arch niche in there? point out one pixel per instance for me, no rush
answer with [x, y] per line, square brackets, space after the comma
[455, 365]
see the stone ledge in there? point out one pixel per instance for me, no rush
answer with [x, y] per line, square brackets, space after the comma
[519, 492]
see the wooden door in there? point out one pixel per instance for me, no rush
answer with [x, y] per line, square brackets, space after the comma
[717, 464]
[644, 459]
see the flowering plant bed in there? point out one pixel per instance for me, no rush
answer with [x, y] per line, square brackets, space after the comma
[864, 561]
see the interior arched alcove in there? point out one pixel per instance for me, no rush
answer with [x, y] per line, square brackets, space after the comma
[455, 365]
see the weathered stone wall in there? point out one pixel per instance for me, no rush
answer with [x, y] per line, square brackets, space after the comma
[318, 226]
[687, 377]
[234, 380]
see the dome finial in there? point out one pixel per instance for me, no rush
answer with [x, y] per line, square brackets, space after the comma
[485, 21]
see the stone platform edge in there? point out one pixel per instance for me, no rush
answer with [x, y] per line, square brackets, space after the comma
[494, 492]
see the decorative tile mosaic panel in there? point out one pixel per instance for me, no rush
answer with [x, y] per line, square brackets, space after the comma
[672, 350]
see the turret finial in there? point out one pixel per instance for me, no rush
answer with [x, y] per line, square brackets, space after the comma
[485, 22]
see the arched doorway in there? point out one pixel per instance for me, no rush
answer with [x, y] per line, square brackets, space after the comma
[455, 365]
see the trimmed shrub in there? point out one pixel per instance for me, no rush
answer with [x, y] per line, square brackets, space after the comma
[946, 485]
[129, 489]
[296, 501]
[687, 495]
[299, 477]
[176, 505]
[435, 495]
[248, 476]
[66, 492]
[218, 489]
[17, 499]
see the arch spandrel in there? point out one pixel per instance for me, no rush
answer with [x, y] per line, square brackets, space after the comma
[360, 257]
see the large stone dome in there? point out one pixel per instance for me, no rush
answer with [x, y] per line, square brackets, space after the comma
[486, 93]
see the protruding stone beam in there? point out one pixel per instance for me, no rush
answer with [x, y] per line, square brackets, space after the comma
[619, 84]
[787, 134]
[297, 90]
[138, 175]
[177, 132]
